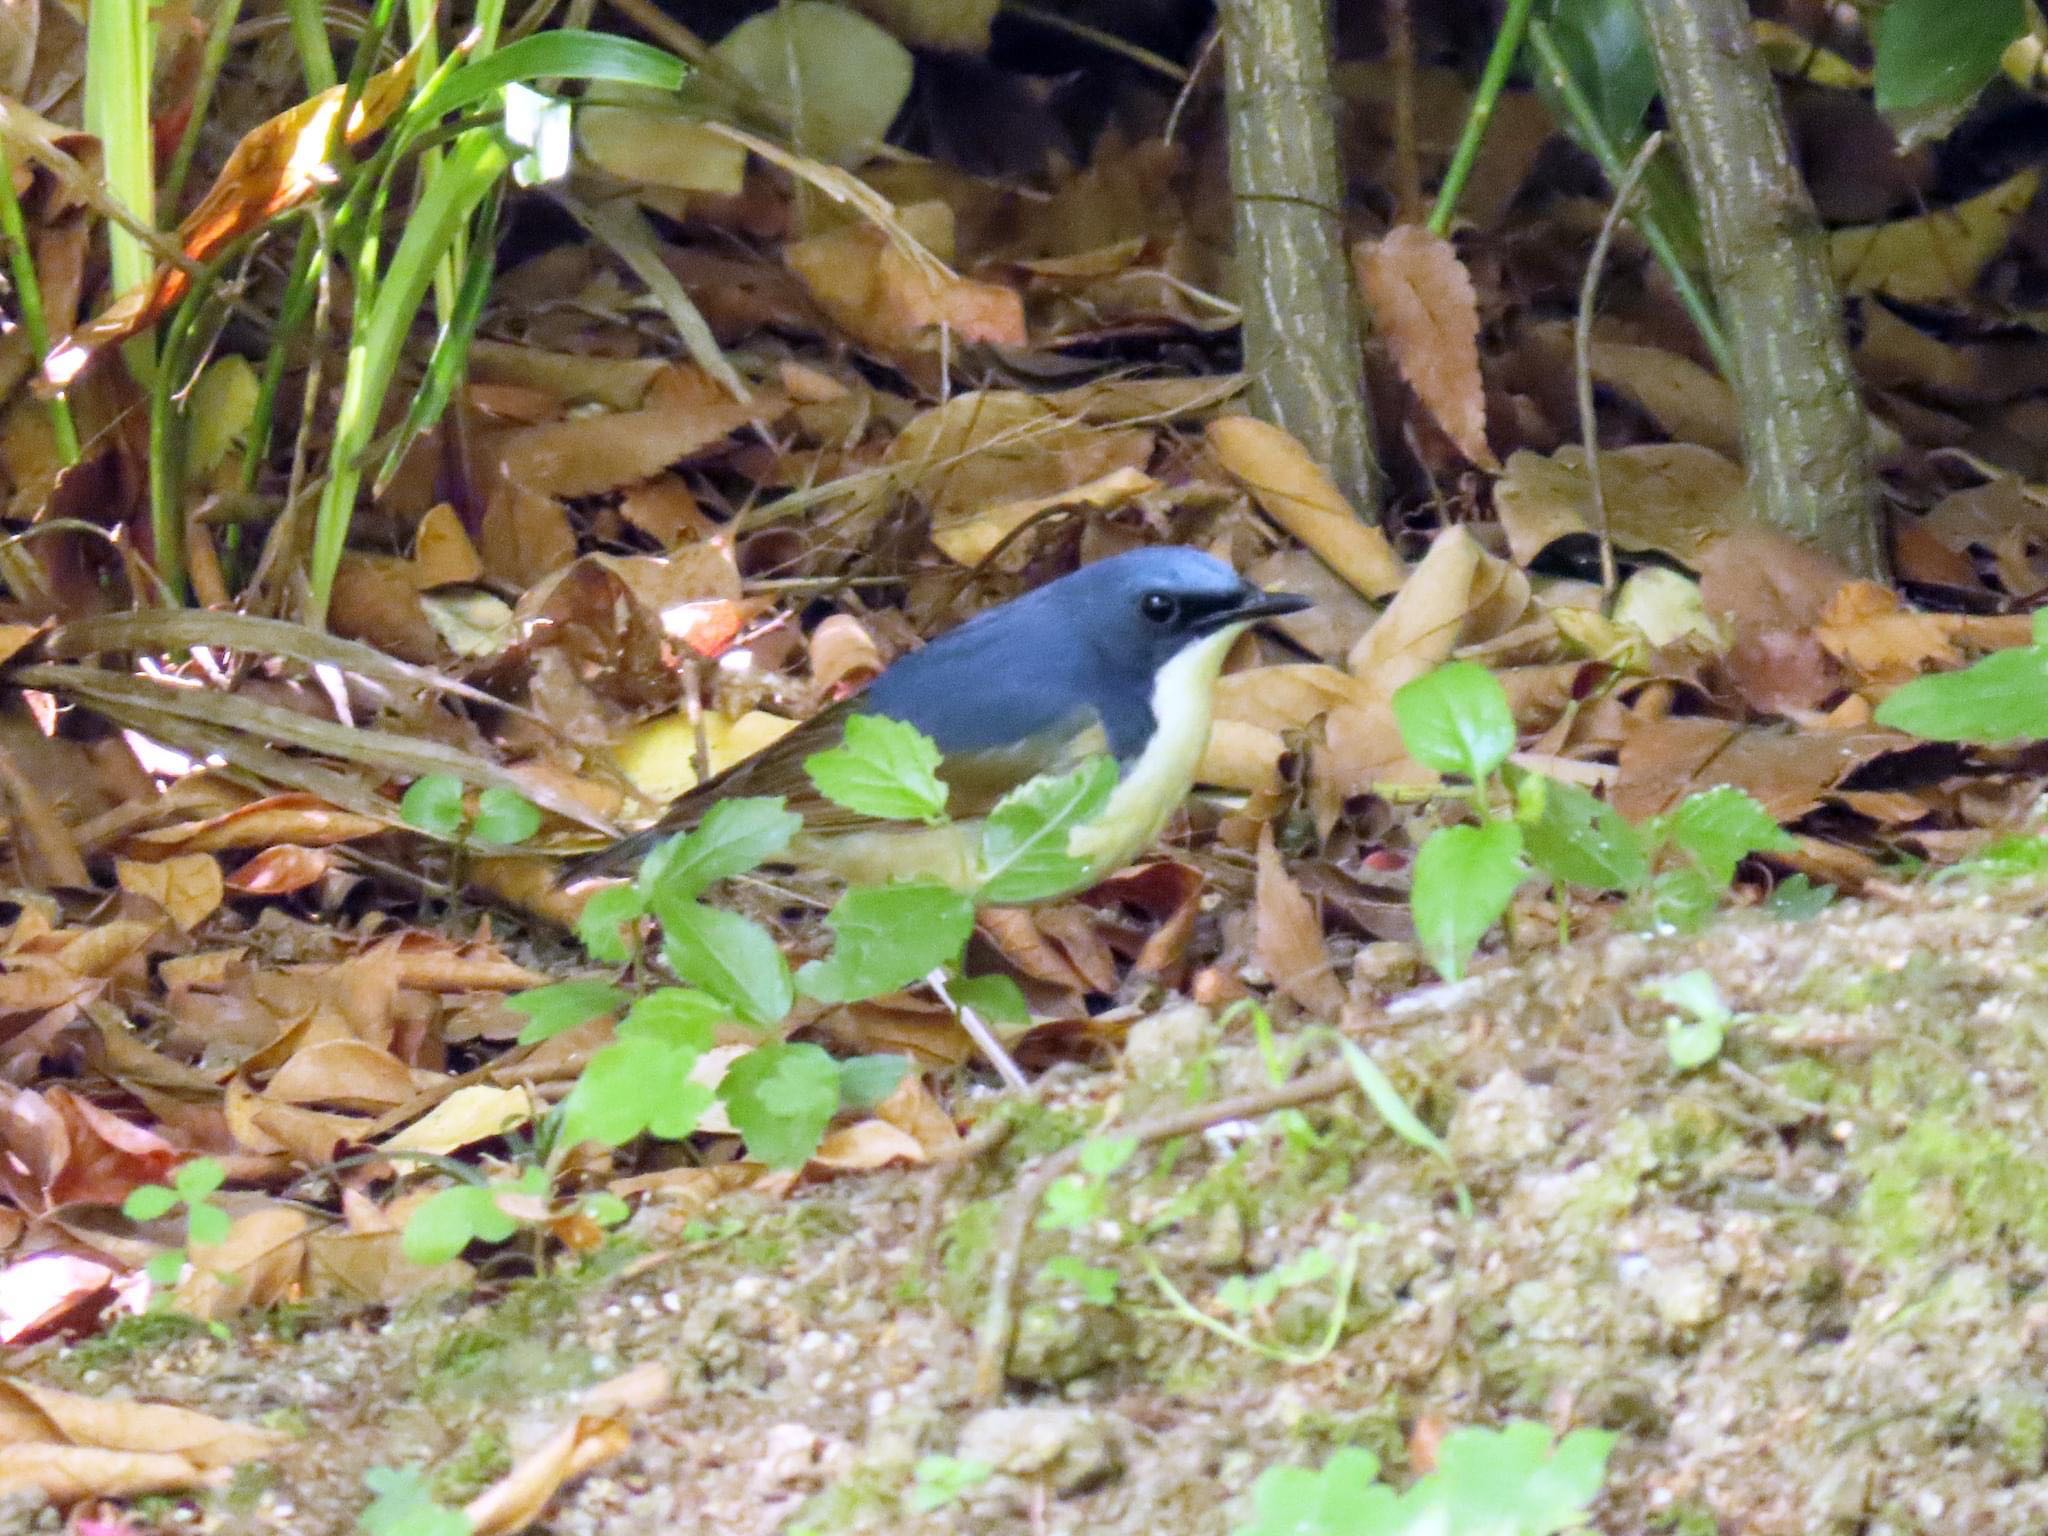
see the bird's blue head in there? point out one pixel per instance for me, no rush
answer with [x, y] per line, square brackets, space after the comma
[1094, 643]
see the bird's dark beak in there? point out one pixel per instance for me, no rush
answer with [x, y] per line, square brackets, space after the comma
[1254, 605]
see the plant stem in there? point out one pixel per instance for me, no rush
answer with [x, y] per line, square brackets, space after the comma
[219, 32]
[1507, 42]
[1805, 433]
[28, 291]
[1302, 344]
[1587, 120]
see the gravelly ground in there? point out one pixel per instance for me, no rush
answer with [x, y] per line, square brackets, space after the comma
[1804, 1284]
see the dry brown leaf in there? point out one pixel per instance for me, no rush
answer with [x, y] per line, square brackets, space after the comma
[1674, 498]
[347, 1074]
[31, 1413]
[1868, 630]
[277, 166]
[911, 1108]
[1425, 306]
[1289, 936]
[291, 818]
[475, 1112]
[260, 1263]
[51, 1291]
[518, 1498]
[280, 870]
[889, 301]
[62, 1149]
[188, 886]
[1458, 595]
[442, 554]
[1935, 255]
[867, 1145]
[1298, 494]
[1789, 773]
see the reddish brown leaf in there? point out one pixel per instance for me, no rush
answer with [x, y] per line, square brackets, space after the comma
[1424, 303]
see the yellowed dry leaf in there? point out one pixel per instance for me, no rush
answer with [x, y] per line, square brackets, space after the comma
[1425, 306]
[1293, 490]
[661, 148]
[889, 301]
[442, 554]
[186, 885]
[348, 1074]
[475, 1112]
[1241, 756]
[518, 1498]
[867, 1145]
[1934, 255]
[258, 1264]
[1289, 936]
[67, 1474]
[1457, 595]
[972, 539]
[1868, 630]
[124, 1424]
[1674, 498]
[290, 818]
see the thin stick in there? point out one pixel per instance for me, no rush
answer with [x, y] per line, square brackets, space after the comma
[1587, 120]
[1582, 348]
[997, 1330]
[983, 1037]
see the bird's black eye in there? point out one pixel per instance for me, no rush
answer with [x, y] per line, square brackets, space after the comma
[1158, 607]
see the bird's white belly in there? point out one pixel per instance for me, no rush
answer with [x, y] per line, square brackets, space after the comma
[1153, 787]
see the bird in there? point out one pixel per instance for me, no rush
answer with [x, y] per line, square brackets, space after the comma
[1120, 657]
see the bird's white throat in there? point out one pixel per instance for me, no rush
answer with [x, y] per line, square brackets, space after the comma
[1153, 787]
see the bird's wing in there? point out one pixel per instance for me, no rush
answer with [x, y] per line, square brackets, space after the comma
[975, 781]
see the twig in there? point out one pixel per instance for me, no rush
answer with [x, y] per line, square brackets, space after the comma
[997, 1329]
[1582, 348]
[983, 1037]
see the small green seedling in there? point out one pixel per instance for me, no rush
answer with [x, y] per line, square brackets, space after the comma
[944, 1480]
[1096, 1283]
[1513, 1481]
[405, 1506]
[1077, 1201]
[435, 804]
[205, 1223]
[1695, 1040]
[1672, 868]
[443, 1226]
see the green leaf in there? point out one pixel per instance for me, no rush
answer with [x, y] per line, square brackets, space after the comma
[942, 1480]
[1345, 1498]
[1073, 1204]
[1100, 1156]
[887, 937]
[433, 805]
[1697, 1042]
[1095, 1282]
[146, 1202]
[1942, 52]
[1573, 836]
[1510, 1481]
[882, 768]
[602, 925]
[1024, 842]
[197, 1179]
[2002, 698]
[864, 1081]
[1456, 720]
[732, 957]
[1610, 56]
[440, 1229]
[637, 1085]
[840, 78]
[604, 1208]
[166, 1267]
[560, 1007]
[1464, 879]
[734, 837]
[781, 1097]
[206, 1225]
[568, 54]
[405, 1506]
[1721, 827]
[503, 817]
[996, 999]
[677, 1017]
[1796, 898]
[1386, 1100]
[1680, 900]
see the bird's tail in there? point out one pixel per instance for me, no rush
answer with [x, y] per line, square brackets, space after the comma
[621, 860]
